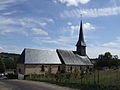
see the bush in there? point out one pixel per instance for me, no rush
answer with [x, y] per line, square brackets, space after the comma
[12, 76]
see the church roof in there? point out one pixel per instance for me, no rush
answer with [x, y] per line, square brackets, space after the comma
[34, 56]
[72, 58]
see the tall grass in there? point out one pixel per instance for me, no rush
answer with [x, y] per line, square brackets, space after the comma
[98, 80]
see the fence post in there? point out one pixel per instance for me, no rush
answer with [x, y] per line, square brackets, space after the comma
[98, 80]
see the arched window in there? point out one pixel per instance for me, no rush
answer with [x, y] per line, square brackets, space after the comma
[42, 68]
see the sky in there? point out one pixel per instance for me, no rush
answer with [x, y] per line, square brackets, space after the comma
[54, 24]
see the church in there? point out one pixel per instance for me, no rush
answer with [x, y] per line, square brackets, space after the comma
[34, 61]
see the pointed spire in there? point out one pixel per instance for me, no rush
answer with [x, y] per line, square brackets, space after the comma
[81, 37]
[81, 46]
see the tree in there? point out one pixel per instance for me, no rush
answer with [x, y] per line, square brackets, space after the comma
[115, 57]
[9, 60]
[100, 57]
[107, 56]
[2, 66]
[106, 60]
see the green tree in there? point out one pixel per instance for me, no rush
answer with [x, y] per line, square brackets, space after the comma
[108, 60]
[100, 57]
[10, 60]
[2, 66]
[115, 57]
[107, 56]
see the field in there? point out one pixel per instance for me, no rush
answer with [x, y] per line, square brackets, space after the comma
[98, 80]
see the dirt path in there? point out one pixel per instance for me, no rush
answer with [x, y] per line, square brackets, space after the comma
[28, 85]
[3, 86]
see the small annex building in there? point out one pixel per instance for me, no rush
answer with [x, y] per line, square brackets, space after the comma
[34, 61]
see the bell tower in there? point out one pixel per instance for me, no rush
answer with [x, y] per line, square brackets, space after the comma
[81, 46]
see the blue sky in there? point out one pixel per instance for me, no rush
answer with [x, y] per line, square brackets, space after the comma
[54, 24]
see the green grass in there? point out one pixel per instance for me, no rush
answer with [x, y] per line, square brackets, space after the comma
[102, 80]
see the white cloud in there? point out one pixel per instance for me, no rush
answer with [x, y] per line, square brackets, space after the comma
[86, 26]
[95, 12]
[61, 41]
[110, 44]
[7, 1]
[43, 23]
[39, 31]
[10, 24]
[45, 40]
[65, 39]
[113, 47]
[10, 48]
[1, 48]
[4, 4]
[72, 2]
[49, 19]
[74, 27]
[50, 41]
[93, 52]
[25, 22]
[5, 31]
[69, 23]
[113, 44]
[8, 13]
[16, 21]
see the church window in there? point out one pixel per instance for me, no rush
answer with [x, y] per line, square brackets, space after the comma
[42, 68]
[58, 68]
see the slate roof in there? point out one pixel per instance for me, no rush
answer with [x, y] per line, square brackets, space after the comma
[35, 56]
[72, 58]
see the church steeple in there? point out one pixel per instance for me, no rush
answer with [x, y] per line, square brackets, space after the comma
[81, 46]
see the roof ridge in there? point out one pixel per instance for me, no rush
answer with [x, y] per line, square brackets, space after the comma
[38, 49]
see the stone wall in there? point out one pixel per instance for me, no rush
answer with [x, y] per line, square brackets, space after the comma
[20, 68]
[37, 69]
[47, 69]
